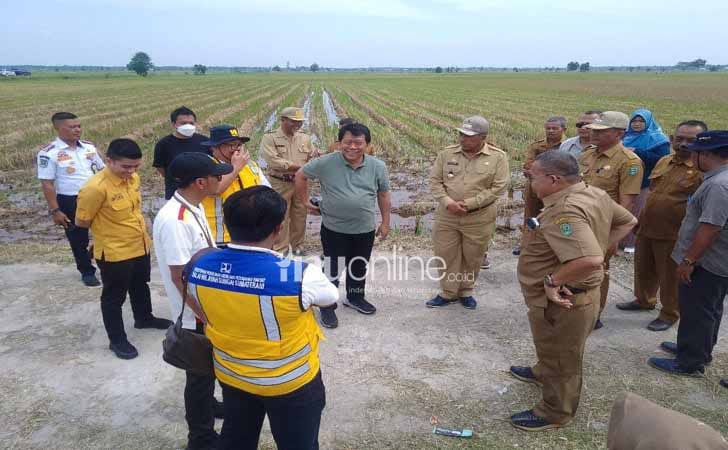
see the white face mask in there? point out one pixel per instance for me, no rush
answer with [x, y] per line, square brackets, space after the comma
[186, 130]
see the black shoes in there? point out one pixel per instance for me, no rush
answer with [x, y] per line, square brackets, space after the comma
[90, 280]
[659, 325]
[360, 305]
[524, 374]
[328, 318]
[598, 324]
[724, 382]
[123, 350]
[468, 302]
[669, 347]
[672, 367]
[528, 421]
[634, 305]
[154, 322]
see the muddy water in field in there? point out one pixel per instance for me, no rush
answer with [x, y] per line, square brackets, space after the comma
[331, 116]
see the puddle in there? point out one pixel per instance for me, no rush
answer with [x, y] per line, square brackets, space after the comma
[271, 121]
[331, 116]
[307, 112]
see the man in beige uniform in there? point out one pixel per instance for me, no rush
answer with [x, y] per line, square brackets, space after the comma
[286, 150]
[466, 180]
[560, 271]
[610, 166]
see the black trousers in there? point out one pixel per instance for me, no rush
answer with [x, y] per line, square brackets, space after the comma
[77, 236]
[199, 409]
[354, 250]
[294, 418]
[118, 278]
[701, 309]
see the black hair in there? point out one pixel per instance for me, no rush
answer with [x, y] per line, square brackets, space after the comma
[252, 214]
[693, 123]
[346, 121]
[355, 129]
[182, 111]
[559, 162]
[593, 111]
[62, 115]
[124, 148]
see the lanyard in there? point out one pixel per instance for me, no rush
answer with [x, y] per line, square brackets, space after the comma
[204, 229]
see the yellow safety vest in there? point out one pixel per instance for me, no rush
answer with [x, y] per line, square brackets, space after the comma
[249, 176]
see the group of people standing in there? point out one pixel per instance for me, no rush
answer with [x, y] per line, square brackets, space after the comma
[255, 305]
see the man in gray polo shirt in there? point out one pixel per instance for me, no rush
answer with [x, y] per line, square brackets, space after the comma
[701, 251]
[352, 183]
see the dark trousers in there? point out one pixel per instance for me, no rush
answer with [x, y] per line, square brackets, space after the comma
[77, 236]
[118, 278]
[199, 409]
[354, 250]
[701, 309]
[294, 418]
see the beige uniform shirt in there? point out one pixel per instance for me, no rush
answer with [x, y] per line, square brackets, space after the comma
[574, 223]
[478, 181]
[535, 149]
[280, 152]
[618, 170]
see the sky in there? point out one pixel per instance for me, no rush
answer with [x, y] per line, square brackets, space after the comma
[375, 33]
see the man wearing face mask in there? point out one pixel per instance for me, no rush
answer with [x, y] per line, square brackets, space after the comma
[284, 151]
[673, 180]
[183, 139]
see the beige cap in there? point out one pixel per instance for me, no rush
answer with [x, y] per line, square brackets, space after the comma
[474, 125]
[610, 119]
[293, 113]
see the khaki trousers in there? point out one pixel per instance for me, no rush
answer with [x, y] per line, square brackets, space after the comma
[461, 241]
[559, 336]
[294, 223]
[654, 270]
[604, 288]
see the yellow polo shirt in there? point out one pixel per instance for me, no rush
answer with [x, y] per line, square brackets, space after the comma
[113, 206]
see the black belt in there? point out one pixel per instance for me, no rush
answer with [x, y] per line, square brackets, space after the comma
[470, 211]
[575, 290]
[288, 178]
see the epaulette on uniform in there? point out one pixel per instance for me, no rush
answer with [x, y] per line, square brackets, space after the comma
[493, 147]
[453, 146]
[630, 154]
[47, 147]
[87, 142]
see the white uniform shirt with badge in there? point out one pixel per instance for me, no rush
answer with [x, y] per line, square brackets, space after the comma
[179, 231]
[68, 168]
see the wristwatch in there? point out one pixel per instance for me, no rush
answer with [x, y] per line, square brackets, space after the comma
[548, 281]
[687, 261]
[53, 211]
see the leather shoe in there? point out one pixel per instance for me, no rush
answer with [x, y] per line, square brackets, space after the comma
[154, 322]
[529, 421]
[659, 325]
[328, 318]
[468, 302]
[524, 373]
[724, 382]
[672, 367]
[90, 280]
[671, 348]
[634, 305]
[598, 324]
[123, 350]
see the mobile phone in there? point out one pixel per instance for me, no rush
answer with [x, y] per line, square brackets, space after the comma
[533, 223]
[315, 201]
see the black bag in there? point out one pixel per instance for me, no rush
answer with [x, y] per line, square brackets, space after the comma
[183, 348]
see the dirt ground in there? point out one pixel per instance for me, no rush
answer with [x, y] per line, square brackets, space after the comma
[386, 375]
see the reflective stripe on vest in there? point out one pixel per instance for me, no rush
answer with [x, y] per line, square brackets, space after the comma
[267, 381]
[264, 363]
[247, 177]
[269, 318]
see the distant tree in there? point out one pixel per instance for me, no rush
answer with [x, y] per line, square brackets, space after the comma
[276, 68]
[584, 67]
[713, 68]
[572, 66]
[199, 69]
[314, 67]
[692, 65]
[438, 69]
[515, 69]
[140, 63]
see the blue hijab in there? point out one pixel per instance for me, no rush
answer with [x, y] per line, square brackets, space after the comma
[651, 137]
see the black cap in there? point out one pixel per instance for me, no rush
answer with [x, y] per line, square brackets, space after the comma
[709, 141]
[190, 165]
[223, 133]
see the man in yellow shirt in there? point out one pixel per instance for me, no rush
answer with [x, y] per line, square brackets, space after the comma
[110, 204]
[228, 146]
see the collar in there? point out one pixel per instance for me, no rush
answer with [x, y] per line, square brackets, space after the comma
[715, 172]
[254, 249]
[363, 161]
[279, 133]
[484, 150]
[181, 200]
[115, 179]
[60, 144]
[688, 162]
[556, 196]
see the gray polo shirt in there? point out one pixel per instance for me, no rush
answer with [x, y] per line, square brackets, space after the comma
[573, 146]
[709, 204]
[348, 195]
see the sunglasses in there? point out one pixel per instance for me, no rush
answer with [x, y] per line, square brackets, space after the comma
[581, 124]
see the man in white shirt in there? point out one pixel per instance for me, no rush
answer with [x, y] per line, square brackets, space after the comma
[180, 230]
[575, 145]
[64, 166]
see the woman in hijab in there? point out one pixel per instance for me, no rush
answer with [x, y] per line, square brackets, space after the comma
[644, 137]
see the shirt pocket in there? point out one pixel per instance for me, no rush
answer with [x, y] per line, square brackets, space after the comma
[689, 183]
[121, 208]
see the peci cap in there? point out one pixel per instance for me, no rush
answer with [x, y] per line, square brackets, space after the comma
[293, 113]
[223, 133]
[709, 141]
[474, 125]
[610, 119]
[191, 165]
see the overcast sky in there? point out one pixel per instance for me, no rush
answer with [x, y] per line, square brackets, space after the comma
[336, 33]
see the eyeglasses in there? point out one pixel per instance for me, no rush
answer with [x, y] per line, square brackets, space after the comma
[581, 124]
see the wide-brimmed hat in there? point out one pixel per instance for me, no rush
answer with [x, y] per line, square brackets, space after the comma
[223, 133]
